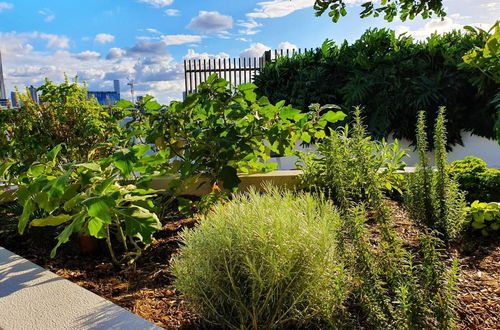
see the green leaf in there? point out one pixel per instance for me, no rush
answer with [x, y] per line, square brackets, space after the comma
[51, 220]
[97, 228]
[65, 235]
[306, 137]
[52, 155]
[320, 134]
[334, 116]
[36, 169]
[90, 166]
[28, 208]
[247, 87]
[289, 113]
[140, 222]
[99, 207]
[124, 104]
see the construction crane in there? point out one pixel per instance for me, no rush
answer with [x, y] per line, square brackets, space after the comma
[132, 91]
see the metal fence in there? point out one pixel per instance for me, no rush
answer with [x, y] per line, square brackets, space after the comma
[235, 70]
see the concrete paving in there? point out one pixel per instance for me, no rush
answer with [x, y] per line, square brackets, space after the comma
[34, 298]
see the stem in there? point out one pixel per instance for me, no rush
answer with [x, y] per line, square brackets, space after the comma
[123, 238]
[110, 248]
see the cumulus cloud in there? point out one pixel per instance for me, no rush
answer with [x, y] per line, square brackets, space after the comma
[255, 50]
[5, 6]
[193, 55]
[15, 43]
[158, 3]
[104, 38]
[279, 8]
[147, 48]
[287, 46]
[115, 53]
[87, 55]
[433, 25]
[55, 41]
[179, 39]
[172, 12]
[211, 21]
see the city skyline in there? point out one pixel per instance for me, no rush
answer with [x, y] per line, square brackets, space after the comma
[48, 40]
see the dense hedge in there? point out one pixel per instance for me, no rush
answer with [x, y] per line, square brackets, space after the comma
[393, 77]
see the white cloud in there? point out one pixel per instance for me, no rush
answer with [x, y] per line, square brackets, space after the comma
[433, 25]
[87, 55]
[193, 55]
[249, 27]
[48, 15]
[5, 6]
[179, 39]
[115, 53]
[287, 46]
[155, 31]
[15, 43]
[147, 48]
[255, 50]
[172, 12]
[279, 8]
[104, 38]
[211, 21]
[158, 3]
[55, 41]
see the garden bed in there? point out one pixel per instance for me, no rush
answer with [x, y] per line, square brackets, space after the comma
[147, 290]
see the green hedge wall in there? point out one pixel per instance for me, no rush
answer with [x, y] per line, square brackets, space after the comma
[393, 77]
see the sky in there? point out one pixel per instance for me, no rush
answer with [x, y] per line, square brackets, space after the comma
[147, 40]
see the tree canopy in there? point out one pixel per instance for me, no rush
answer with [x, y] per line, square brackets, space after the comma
[404, 9]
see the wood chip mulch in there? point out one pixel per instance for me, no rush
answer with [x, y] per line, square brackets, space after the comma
[147, 290]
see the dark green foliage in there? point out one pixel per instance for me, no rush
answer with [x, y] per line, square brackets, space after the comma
[433, 197]
[282, 260]
[478, 181]
[352, 167]
[394, 77]
[402, 9]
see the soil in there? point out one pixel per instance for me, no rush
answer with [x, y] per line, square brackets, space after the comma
[146, 289]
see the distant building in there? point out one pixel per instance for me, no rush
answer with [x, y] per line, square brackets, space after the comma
[13, 99]
[3, 97]
[33, 94]
[107, 98]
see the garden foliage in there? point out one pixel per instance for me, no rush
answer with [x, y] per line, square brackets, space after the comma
[92, 198]
[279, 260]
[484, 217]
[477, 180]
[433, 197]
[394, 77]
[221, 131]
[65, 115]
[353, 168]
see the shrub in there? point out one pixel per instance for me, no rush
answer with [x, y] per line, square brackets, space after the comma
[65, 115]
[433, 197]
[353, 167]
[478, 181]
[262, 262]
[394, 77]
[484, 217]
[280, 260]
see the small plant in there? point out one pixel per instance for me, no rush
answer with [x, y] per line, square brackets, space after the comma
[92, 198]
[433, 197]
[484, 217]
[352, 167]
[263, 262]
[478, 181]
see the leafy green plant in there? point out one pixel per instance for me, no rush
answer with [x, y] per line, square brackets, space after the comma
[92, 198]
[484, 217]
[220, 131]
[433, 198]
[402, 9]
[65, 115]
[353, 167]
[476, 179]
[394, 77]
[262, 262]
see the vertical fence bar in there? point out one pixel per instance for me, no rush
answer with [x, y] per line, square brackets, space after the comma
[185, 78]
[205, 69]
[195, 77]
[190, 78]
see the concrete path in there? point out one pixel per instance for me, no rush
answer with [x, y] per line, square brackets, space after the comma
[34, 298]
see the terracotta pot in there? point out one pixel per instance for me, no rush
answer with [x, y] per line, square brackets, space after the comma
[88, 244]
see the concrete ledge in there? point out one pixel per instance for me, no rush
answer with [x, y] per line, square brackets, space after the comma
[34, 298]
[199, 186]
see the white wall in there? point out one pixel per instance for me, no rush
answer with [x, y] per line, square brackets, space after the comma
[488, 150]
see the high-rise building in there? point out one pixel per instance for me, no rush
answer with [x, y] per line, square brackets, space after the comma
[33, 94]
[3, 97]
[107, 97]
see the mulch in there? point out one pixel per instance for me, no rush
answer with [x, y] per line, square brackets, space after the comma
[146, 289]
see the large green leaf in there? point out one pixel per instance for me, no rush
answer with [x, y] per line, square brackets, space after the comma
[64, 236]
[140, 222]
[51, 220]
[28, 208]
[97, 228]
[99, 207]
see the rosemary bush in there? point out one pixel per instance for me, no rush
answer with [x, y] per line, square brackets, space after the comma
[433, 198]
[353, 167]
[262, 262]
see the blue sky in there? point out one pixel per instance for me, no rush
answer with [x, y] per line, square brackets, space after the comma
[147, 40]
